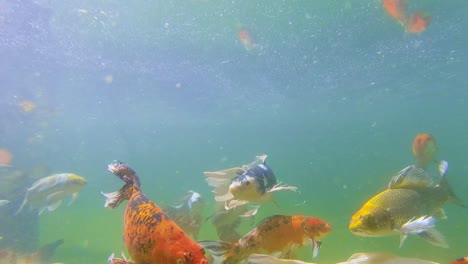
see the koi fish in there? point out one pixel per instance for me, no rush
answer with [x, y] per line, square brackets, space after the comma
[150, 236]
[245, 39]
[5, 158]
[383, 258]
[189, 214]
[48, 192]
[407, 207]
[42, 256]
[424, 149]
[252, 183]
[275, 234]
[415, 23]
[396, 9]
[357, 258]
[463, 260]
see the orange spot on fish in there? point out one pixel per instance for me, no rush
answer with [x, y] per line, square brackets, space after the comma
[245, 39]
[417, 23]
[424, 149]
[5, 157]
[27, 106]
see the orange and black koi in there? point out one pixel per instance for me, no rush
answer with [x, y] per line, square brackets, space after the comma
[150, 235]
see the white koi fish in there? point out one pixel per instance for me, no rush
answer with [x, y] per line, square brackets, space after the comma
[48, 193]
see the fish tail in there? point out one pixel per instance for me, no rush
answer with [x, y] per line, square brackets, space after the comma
[47, 251]
[452, 197]
[220, 250]
[113, 199]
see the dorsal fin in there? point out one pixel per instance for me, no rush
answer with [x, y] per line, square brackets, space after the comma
[410, 176]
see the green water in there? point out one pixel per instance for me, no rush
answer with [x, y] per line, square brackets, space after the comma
[333, 91]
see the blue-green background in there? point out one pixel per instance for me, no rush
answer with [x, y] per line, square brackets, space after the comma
[334, 92]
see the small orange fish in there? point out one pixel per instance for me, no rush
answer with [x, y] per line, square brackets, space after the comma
[417, 23]
[424, 149]
[396, 9]
[27, 106]
[5, 157]
[275, 234]
[150, 235]
[463, 260]
[245, 39]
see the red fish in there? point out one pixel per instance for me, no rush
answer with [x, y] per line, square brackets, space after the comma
[276, 234]
[150, 236]
[463, 260]
[417, 23]
[245, 39]
[424, 149]
[396, 9]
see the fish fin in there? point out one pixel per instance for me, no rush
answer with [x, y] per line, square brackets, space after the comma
[74, 196]
[440, 213]
[258, 160]
[234, 203]
[452, 197]
[434, 237]
[417, 225]
[41, 210]
[56, 196]
[403, 238]
[279, 187]
[410, 176]
[424, 227]
[113, 199]
[316, 244]
[223, 198]
[54, 205]
[218, 249]
[251, 213]
[267, 259]
[113, 260]
[25, 201]
[220, 180]
[442, 167]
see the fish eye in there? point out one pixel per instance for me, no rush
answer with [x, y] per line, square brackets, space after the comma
[179, 261]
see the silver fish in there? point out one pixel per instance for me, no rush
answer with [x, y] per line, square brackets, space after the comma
[3, 202]
[48, 193]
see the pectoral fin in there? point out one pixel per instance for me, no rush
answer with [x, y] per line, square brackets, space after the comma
[315, 247]
[267, 259]
[233, 204]
[54, 205]
[434, 237]
[74, 196]
[279, 187]
[440, 213]
[53, 197]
